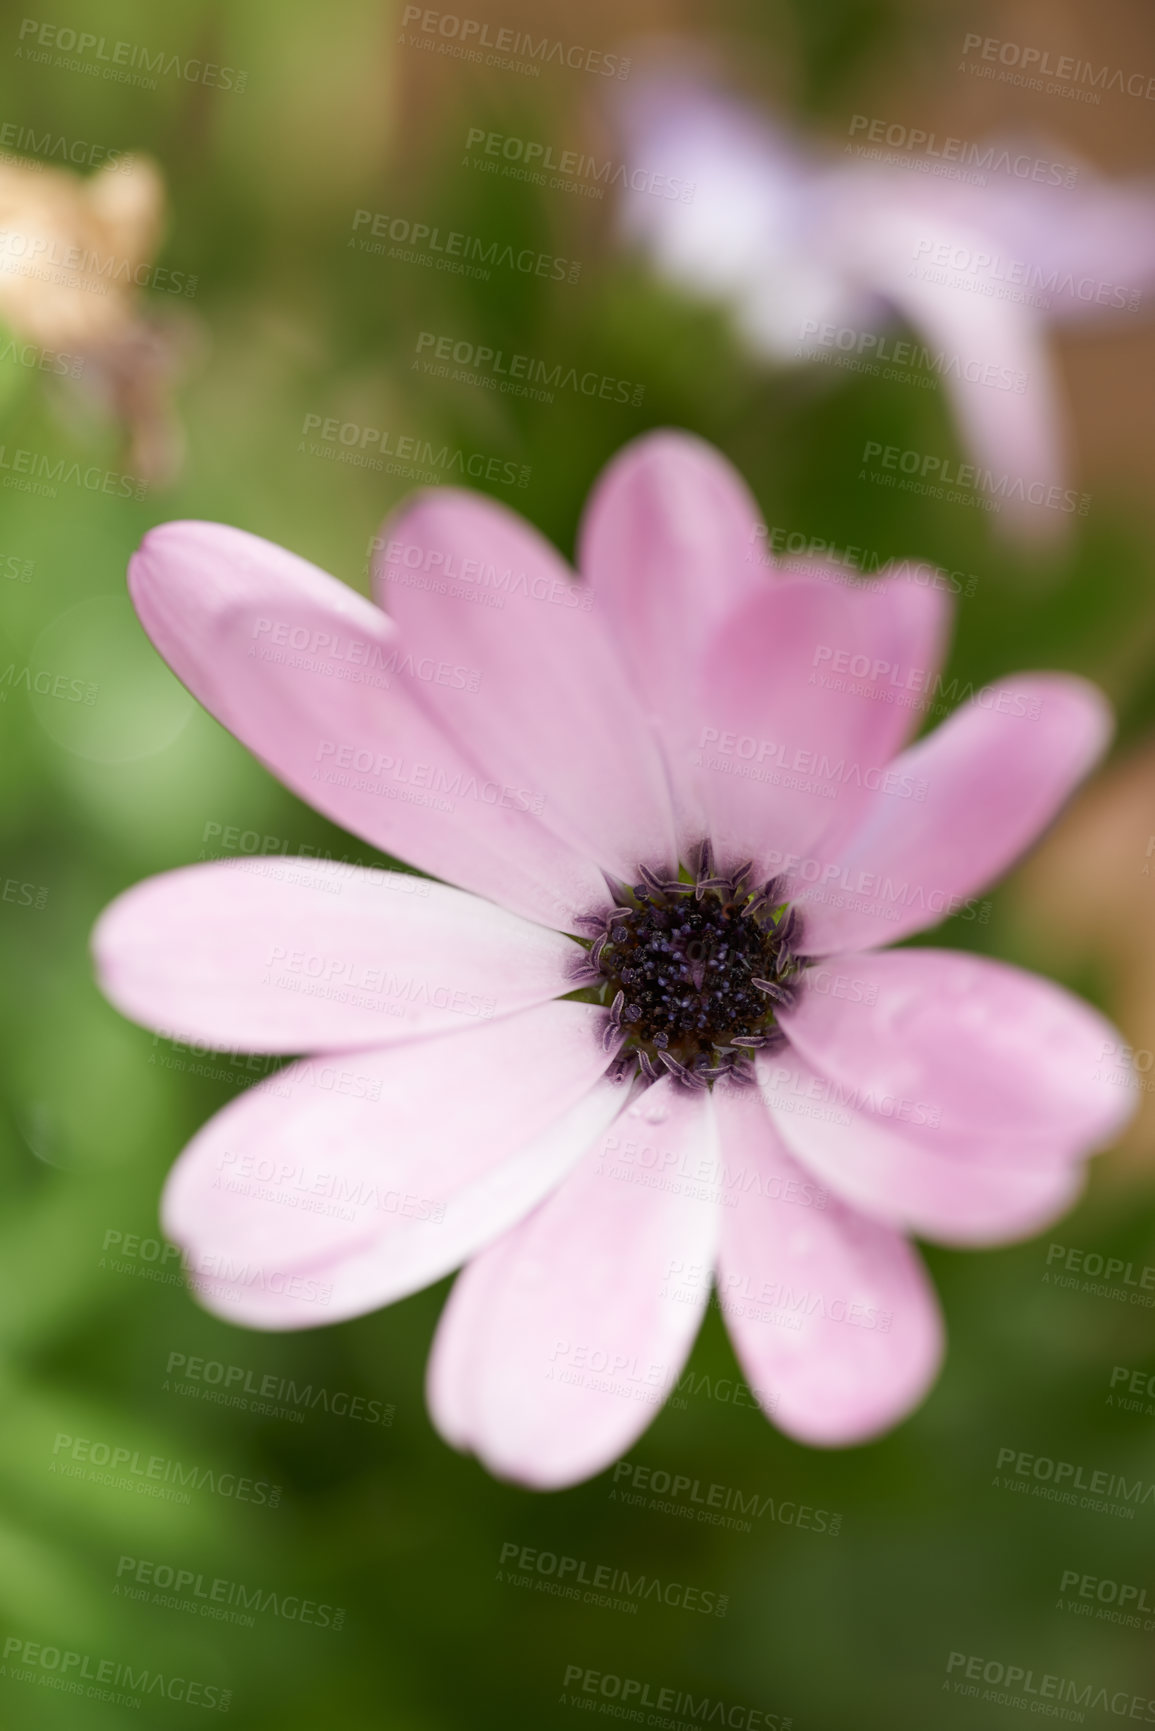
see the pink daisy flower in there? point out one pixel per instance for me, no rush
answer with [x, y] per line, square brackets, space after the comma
[650, 1040]
[816, 252]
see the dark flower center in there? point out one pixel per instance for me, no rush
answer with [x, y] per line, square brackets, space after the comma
[693, 971]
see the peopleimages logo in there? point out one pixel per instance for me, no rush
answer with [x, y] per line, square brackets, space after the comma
[990, 274]
[112, 59]
[575, 171]
[129, 1253]
[46, 253]
[549, 1572]
[815, 880]
[233, 840]
[461, 254]
[447, 571]
[24, 895]
[1119, 1278]
[1106, 1593]
[41, 360]
[78, 151]
[468, 36]
[46, 684]
[675, 1168]
[701, 1710]
[997, 158]
[937, 473]
[517, 375]
[63, 1668]
[825, 560]
[29, 471]
[1034, 64]
[367, 447]
[797, 767]
[1058, 1481]
[879, 677]
[422, 778]
[296, 1184]
[906, 356]
[728, 1390]
[1015, 1685]
[224, 1600]
[238, 1385]
[717, 1504]
[156, 1472]
[773, 1301]
[334, 653]
[1140, 1387]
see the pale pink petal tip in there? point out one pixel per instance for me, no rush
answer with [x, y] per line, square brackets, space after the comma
[560, 1343]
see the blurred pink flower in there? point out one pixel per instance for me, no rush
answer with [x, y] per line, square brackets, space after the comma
[677, 787]
[816, 253]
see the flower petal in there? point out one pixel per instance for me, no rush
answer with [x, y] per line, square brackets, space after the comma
[788, 748]
[1090, 248]
[559, 1342]
[981, 1192]
[754, 234]
[669, 545]
[829, 1312]
[325, 1164]
[536, 687]
[186, 575]
[963, 1046]
[484, 1208]
[319, 684]
[307, 955]
[426, 1245]
[1013, 425]
[965, 803]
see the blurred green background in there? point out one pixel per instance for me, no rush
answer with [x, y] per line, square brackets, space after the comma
[384, 1522]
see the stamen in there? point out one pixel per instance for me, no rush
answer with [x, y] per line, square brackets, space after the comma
[619, 890]
[680, 1071]
[693, 974]
[789, 928]
[704, 860]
